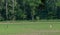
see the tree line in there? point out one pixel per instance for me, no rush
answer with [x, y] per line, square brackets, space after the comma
[29, 9]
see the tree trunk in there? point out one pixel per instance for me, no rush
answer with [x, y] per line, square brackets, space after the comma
[6, 9]
[13, 11]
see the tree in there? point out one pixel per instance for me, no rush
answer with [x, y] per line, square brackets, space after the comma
[6, 9]
[13, 10]
[28, 9]
[51, 9]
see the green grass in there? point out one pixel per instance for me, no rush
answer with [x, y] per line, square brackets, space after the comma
[27, 27]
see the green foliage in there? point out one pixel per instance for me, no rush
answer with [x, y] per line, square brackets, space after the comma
[28, 9]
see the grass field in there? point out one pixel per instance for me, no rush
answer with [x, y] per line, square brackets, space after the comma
[29, 28]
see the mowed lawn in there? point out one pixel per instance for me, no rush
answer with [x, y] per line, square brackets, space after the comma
[16, 27]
